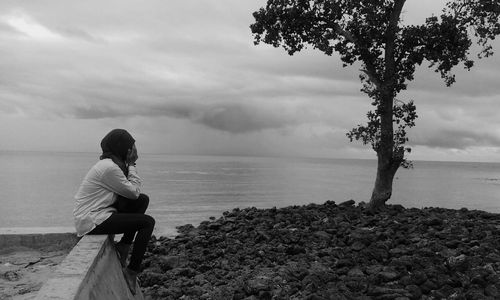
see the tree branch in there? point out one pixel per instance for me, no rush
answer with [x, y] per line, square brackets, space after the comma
[370, 70]
[390, 39]
[372, 77]
[349, 36]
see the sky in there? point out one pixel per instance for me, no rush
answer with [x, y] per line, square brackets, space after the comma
[184, 77]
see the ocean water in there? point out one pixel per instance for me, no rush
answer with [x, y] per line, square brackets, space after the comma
[37, 188]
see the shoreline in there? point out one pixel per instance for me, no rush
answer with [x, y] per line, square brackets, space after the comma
[329, 251]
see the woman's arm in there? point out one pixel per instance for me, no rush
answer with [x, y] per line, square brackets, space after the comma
[133, 177]
[114, 179]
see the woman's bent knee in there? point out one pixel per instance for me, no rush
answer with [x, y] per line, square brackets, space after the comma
[144, 200]
[150, 221]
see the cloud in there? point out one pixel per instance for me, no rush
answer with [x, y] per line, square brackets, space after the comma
[237, 118]
[234, 118]
[450, 127]
[25, 24]
[80, 34]
[97, 112]
[481, 80]
[21, 22]
[458, 139]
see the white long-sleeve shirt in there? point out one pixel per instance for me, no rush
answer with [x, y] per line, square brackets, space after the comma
[99, 190]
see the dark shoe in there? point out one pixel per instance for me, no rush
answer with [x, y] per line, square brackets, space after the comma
[131, 279]
[122, 250]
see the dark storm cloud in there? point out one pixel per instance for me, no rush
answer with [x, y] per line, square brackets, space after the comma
[179, 111]
[228, 117]
[237, 118]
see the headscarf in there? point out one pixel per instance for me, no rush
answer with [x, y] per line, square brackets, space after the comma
[115, 146]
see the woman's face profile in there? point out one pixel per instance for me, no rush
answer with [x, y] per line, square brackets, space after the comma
[132, 154]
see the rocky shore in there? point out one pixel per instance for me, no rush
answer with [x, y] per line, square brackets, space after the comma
[329, 251]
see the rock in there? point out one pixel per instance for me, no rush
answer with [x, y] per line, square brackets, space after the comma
[492, 291]
[257, 284]
[294, 250]
[344, 263]
[12, 276]
[388, 276]
[381, 291]
[185, 228]
[457, 263]
[355, 272]
[357, 246]
[329, 251]
[186, 272]
[404, 261]
[433, 221]
[415, 292]
[398, 208]
[347, 203]
[315, 297]
[214, 225]
[453, 244]
[428, 286]
[419, 277]
[474, 294]
[322, 235]
[171, 262]
[373, 269]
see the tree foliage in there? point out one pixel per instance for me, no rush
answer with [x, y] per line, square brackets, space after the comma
[404, 115]
[372, 33]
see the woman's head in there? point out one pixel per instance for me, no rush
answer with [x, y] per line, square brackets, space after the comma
[117, 142]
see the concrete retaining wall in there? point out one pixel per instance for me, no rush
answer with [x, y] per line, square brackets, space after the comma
[48, 238]
[90, 271]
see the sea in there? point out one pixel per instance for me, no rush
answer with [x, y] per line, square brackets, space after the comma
[37, 188]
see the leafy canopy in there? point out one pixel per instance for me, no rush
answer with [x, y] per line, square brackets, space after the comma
[358, 31]
[371, 32]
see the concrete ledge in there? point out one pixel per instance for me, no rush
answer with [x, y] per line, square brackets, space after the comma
[90, 271]
[53, 238]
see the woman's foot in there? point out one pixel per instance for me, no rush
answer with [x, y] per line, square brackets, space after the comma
[131, 279]
[122, 250]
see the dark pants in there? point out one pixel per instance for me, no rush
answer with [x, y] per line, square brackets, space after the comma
[129, 220]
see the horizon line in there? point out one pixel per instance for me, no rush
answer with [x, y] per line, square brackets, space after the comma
[244, 155]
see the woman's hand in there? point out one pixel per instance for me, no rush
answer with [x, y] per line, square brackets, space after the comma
[132, 155]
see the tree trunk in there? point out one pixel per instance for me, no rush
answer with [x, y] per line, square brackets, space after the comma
[382, 190]
[387, 165]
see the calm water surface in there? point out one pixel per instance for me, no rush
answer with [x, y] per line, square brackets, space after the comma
[37, 188]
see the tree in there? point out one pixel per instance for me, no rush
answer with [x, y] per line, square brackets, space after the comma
[371, 32]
